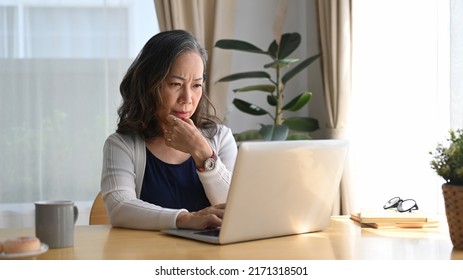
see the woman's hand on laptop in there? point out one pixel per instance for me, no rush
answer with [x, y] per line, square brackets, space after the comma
[210, 217]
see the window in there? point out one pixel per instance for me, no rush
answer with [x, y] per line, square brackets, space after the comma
[61, 65]
[401, 95]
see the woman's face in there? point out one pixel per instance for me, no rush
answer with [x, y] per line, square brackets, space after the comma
[182, 88]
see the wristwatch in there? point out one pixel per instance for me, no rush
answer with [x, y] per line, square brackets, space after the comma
[209, 163]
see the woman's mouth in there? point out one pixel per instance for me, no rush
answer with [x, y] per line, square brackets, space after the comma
[181, 114]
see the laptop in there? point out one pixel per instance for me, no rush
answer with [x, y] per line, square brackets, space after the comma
[278, 188]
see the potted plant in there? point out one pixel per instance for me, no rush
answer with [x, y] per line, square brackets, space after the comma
[278, 51]
[447, 161]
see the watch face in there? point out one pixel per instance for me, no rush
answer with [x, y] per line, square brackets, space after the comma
[209, 164]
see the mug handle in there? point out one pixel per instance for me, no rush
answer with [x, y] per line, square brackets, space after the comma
[76, 214]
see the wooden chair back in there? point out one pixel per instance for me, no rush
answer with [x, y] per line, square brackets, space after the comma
[98, 214]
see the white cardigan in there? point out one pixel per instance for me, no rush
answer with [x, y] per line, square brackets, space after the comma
[124, 162]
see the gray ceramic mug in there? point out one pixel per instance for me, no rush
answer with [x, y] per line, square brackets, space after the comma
[54, 222]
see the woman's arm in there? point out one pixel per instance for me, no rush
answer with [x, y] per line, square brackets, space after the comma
[216, 182]
[124, 208]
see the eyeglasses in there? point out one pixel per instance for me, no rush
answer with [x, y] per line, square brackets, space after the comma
[402, 205]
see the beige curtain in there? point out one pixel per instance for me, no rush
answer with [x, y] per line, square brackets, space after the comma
[209, 21]
[335, 38]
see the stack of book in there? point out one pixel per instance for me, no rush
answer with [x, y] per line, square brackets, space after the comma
[391, 218]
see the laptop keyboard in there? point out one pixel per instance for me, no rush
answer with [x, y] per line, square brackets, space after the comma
[209, 232]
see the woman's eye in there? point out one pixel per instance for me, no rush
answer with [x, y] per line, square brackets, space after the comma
[198, 85]
[176, 84]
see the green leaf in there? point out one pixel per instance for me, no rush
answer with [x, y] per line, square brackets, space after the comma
[248, 108]
[272, 100]
[245, 75]
[298, 137]
[274, 133]
[289, 43]
[273, 49]
[230, 44]
[264, 88]
[298, 102]
[247, 135]
[305, 124]
[301, 66]
[281, 63]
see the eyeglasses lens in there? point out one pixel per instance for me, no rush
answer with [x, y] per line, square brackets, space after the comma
[393, 202]
[407, 205]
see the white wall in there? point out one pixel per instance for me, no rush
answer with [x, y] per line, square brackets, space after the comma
[254, 24]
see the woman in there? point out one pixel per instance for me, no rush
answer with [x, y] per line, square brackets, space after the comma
[169, 163]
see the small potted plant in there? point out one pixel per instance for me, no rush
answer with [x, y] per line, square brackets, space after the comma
[447, 161]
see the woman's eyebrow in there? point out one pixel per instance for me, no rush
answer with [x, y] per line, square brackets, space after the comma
[183, 79]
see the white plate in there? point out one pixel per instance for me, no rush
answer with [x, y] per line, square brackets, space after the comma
[43, 249]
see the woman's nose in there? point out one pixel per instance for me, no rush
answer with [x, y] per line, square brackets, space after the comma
[185, 97]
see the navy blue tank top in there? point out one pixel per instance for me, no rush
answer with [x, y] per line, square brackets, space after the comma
[173, 185]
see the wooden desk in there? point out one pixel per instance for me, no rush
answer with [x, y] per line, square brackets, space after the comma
[344, 239]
